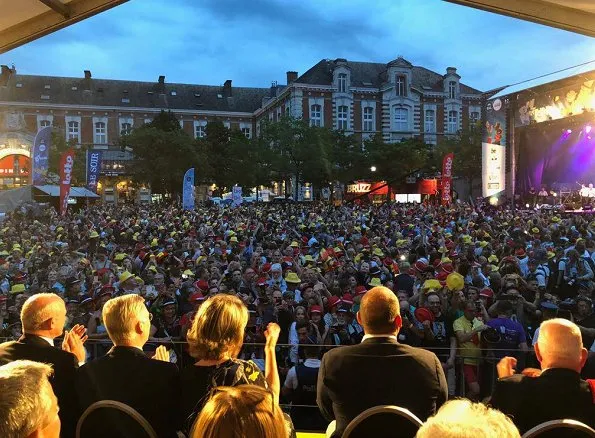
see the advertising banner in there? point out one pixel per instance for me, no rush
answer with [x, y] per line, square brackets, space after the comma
[447, 179]
[188, 190]
[40, 155]
[495, 128]
[236, 195]
[493, 172]
[93, 169]
[66, 166]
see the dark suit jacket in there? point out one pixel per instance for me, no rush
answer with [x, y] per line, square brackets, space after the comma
[557, 393]
[379, 371]
[127, 375]
[31, 347]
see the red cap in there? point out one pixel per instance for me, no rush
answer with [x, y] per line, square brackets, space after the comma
[487, 292]
[520, 252]
[347, 299]
[333, 301]
[202, 285]
[360, 290]
[420, 266]
[196, 296]
[261, 281]
[266, 268]
[315, 309]
[448, 268]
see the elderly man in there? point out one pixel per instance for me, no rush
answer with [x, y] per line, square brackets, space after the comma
[43, 317]
[386, 372]
[28, 406]
[558, 389]
[127, 375]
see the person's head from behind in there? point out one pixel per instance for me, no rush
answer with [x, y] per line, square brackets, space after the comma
[217, 331]
[243, 410]
[44, 315]
[127, 320]
[505, 309]
[28, 406]
[465, 419]
[379, 312]
[560, 345]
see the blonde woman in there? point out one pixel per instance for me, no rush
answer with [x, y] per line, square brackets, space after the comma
[243, 411]
[214, 341]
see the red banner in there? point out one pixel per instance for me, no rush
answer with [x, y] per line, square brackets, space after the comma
[447, 179]
[66, 163]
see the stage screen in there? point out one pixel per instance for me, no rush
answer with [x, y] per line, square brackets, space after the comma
[555, 156]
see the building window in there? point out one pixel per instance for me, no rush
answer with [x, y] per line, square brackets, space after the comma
[474, 116]
[342, 114]
[287, 111]
[125, 128]
[315, 115]
[342, 82]
[73, 130]
[401, 117]
[401, 85]
[246, 132]
[100, 134]
[452, 90]
[44, 123]
[368, 119]
[453, 122]
[200, 131]
[430, 125]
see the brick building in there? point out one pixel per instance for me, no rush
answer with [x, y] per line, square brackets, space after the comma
[397, 99]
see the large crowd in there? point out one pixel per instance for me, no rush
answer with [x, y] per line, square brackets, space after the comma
[473, 282]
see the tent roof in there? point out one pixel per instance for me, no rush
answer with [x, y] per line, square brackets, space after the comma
[573, 15]
[22, 21]
[75, 192]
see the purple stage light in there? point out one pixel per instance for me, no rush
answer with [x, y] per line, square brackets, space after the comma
[588, 129]
[569, 131]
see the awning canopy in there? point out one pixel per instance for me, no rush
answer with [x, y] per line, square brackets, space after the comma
[22, 21]
[573, 15]
[75, 192]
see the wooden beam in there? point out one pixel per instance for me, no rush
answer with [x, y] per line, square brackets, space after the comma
[57, 6]
[48, 22]
[539, 11]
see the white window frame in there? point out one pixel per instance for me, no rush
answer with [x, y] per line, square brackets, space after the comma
[227, 125]
[125, 121]
[343, 117]
[279, 112]
[430, 122]
[77, 133]
[400, 124]
[368, 124]
[200, 128]
[246, 129]
[342, 83]
[43, 120]
[401, 85]
[316, 114]
[452, 89]
[453, 121]
[147, 121]
[98, 136]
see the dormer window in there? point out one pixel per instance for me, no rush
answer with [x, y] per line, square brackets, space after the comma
[452, 89]
[401, 85]
[342, 82]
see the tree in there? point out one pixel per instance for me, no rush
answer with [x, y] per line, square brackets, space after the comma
[58, 147]
[395, 161]
[466, 146]
[349, 159]
[163, 152]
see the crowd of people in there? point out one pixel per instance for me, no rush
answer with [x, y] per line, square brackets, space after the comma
[262, 294]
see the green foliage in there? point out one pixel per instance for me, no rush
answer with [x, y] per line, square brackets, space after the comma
[163, 152]
[58, 147]
[395, 161]
[466, 146]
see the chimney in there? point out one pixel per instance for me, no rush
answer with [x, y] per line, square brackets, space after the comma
[273, 89]
[5, 74]
[162, 79]
[291, 77]
[87, 74]
[227, 88]
[451, 71]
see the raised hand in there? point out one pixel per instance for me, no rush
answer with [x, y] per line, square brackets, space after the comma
[162, 354]
[506, 367]
[272, 334]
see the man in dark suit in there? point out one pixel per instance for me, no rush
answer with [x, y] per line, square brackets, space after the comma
[126, 374]
[43, 317]
[380, 370]
[558, 391]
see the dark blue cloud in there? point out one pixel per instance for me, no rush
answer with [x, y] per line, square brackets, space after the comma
[255, 42]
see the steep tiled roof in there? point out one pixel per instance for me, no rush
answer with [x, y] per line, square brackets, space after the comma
[372, 74]
[102, 92]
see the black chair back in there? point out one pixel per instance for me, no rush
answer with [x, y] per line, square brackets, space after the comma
[559, 428]
[114, 419]
[383, 421]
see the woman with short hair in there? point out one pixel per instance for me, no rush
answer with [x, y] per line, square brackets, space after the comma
[214, 341]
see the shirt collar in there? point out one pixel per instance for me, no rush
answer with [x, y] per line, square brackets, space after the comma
[48, 340]
[379, 336]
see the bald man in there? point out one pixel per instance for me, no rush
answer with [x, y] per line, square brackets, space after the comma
[379, 371]
[43, 317]
[557, 390]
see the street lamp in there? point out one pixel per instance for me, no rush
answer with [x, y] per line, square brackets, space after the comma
[373, 168]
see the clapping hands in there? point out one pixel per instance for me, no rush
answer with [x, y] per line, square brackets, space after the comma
[74, 340]
[162, 354]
